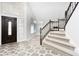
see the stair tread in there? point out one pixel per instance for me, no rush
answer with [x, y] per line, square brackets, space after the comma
[59, 41]
[61, 48]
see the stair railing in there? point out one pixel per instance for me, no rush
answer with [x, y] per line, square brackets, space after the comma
[44, 31]
[68, 13]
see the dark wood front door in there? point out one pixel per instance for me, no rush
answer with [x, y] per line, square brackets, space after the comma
[8, 37]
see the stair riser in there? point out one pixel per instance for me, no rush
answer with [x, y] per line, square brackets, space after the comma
[55, 50]
[60, 44]
[57, 34]
[65, 40]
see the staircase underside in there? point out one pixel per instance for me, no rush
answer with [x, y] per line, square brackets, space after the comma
[57, 41]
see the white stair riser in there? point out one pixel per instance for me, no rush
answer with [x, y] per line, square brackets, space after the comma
[55, 50]
[57, 34]
[63, 45]
[65, 40]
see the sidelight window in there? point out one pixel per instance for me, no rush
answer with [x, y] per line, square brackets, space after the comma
[9, 28]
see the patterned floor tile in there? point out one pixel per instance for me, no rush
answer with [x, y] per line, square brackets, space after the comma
[31, 48]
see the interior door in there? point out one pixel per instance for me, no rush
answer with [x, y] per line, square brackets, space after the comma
[9, 29]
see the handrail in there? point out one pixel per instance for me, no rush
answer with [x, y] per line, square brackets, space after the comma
[69, 6]
[45, 25]
[70, 13]
[49, 29]
[67, 9]
[41, 38]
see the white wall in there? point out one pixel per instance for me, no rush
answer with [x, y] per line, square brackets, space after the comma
[72, 29]
[48, 10]
[30, 19]
[24, 15]
[15, 10]
[44, 11]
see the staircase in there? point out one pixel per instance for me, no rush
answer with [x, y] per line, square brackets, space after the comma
[58, 43]
[53, 38]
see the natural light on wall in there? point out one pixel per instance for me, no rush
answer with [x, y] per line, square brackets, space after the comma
[32, 28]
[9, 28]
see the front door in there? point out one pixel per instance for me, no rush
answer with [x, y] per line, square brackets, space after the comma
[9, 29]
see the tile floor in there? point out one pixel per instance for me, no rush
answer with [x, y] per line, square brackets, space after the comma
[30, 48]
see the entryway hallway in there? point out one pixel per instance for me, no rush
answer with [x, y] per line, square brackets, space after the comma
[30, 48]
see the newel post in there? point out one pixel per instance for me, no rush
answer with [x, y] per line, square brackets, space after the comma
[50, 24]
[40, 37]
